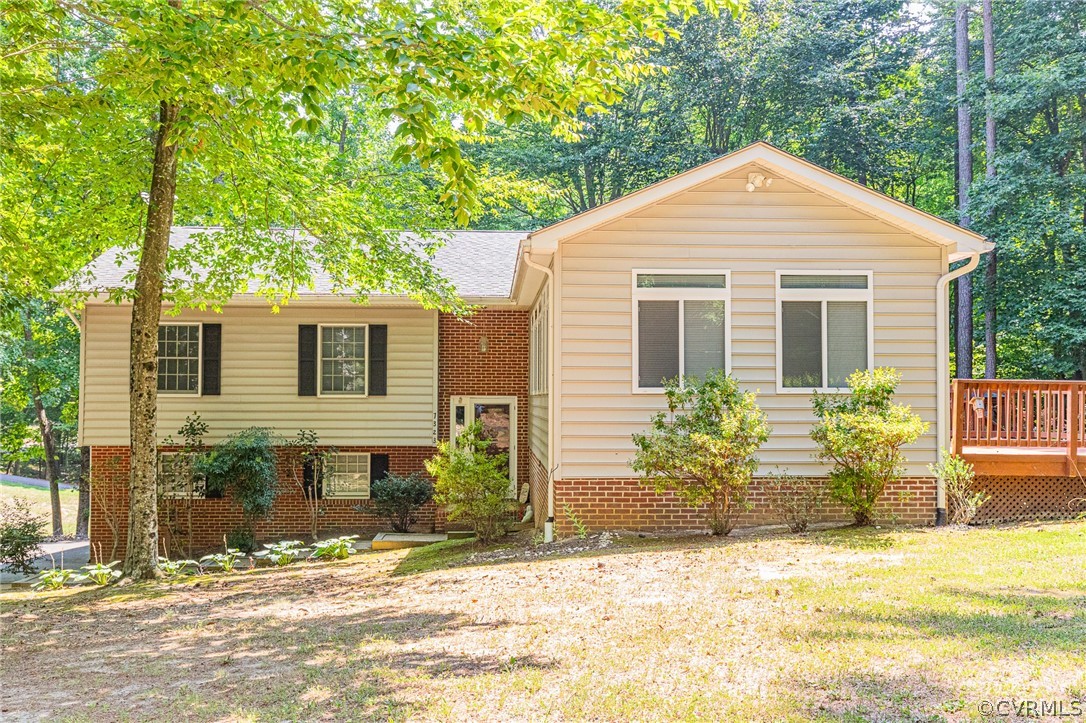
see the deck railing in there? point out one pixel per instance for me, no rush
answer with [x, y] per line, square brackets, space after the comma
[1019, 414]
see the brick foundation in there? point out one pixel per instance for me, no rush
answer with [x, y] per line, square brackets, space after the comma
[1031, 498]
[201, 523]
[625, 503]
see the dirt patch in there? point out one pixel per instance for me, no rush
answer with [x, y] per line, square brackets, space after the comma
[844, 624]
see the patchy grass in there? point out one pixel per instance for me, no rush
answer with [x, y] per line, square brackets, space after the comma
[840, 625]
[40, 504]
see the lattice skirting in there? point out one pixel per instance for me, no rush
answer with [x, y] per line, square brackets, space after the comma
[1031, 498]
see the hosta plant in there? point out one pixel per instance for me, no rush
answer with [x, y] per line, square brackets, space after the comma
[225, 561]
[101, 574]
[173, 568]
[338, 548]
[282, 553]
[55, 579]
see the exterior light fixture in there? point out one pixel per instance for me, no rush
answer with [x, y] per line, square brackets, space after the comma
[757, 180]
[484, 344]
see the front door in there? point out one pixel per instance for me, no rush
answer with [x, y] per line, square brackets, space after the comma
[498, 418]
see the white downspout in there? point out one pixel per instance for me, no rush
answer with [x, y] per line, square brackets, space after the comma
[548, 526]
[942, 351]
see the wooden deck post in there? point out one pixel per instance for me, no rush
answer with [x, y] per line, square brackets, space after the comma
[956, 404]
[1074, 420]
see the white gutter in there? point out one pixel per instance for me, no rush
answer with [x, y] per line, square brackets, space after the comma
[548, 526]
[942, 351]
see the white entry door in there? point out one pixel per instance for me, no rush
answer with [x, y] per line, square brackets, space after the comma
[498, 417]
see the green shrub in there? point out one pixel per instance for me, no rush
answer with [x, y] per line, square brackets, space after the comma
[339, 548]
[473, 484]
[794, 500]
[244, 466]
[704, 448]
[399, 498]
[862, 435]
[241, 538]
[21, 535]
[958, 476]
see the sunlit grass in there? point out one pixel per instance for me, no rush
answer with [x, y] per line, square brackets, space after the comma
[838, 625]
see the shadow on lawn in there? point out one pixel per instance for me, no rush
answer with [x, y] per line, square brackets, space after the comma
[990, 622]
[247, 644]
[868, 696]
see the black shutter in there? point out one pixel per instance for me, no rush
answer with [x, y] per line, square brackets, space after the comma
[378, 467]
[307, 360]
[378, 381]
[311, 480]
[212, 359]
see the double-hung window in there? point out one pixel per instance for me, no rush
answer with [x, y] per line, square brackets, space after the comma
[179, 358]
[343, 355]
[347, 476]
[681, 325]
[824, 329]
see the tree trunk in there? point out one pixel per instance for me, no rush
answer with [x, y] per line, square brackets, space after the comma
[141, 556]
[991, 276]
[82, 514]
[45, 425]
[965, 178]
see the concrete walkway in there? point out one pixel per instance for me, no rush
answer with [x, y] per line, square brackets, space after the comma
[31, 481]
[68, 554]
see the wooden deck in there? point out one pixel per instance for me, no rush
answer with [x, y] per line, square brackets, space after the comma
[1020, 427]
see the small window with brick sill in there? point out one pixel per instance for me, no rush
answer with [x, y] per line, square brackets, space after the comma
[343, 475]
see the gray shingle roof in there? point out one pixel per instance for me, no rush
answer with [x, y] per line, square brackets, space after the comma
[478, 263]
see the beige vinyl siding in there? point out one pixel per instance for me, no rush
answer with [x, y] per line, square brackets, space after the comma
[719, 225]
[260, 378]
[537, 426]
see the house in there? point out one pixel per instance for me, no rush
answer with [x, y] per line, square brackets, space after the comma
[784, 274]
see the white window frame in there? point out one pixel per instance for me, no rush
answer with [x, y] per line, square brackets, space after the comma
[468, 402]
[199, 359]
[320, 361]
[539, 360]
[172, 495]
[823, 295]
[369, 473]
[679, 294]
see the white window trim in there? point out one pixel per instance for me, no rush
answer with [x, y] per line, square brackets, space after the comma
[199, 359]
[679, 294]
[369, 471]
[468, 400]
[823, 295]
[320, 361]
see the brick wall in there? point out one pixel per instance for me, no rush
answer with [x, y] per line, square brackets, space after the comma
[502, 370]
[202, 523]
[624, 503]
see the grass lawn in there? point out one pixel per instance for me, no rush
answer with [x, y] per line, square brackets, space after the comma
[39, 502]
[842, 625]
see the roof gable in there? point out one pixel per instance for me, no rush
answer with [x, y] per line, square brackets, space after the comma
[776, 163]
